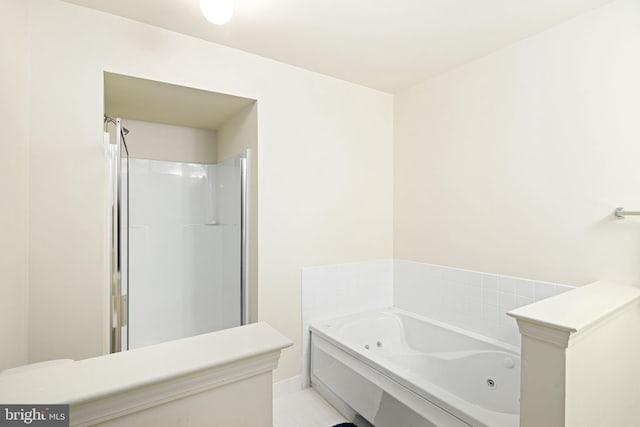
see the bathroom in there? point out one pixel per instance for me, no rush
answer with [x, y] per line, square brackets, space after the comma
[511, 163]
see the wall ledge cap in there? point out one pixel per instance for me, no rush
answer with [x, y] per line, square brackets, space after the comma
[107, 387]
[560, 318]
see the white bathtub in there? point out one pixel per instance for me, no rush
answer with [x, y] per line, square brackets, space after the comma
[396, 368]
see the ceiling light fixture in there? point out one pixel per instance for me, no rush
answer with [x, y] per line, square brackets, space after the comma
[218, 12]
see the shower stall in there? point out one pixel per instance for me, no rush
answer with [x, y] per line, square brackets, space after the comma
[179, 246]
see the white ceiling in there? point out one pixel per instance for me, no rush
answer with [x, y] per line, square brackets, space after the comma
[384, 44]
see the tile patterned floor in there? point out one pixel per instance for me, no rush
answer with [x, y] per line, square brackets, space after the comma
[304, 408]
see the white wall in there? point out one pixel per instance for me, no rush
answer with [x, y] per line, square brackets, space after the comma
[514, 163]
[239, 133]
[157, 141]
[14, 146]
[325, 179]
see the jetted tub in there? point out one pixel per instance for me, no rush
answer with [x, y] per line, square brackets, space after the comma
[395, 368]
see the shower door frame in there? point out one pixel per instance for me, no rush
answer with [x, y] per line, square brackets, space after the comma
[118, 301]
[245, 238]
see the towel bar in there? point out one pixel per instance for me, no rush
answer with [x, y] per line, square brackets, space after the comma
[620, 213]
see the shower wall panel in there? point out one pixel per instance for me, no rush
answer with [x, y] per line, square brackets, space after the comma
[229, 212]
[177, 283]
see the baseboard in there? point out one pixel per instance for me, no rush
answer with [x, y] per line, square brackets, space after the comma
[288, 386]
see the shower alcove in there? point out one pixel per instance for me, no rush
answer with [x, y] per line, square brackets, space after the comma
[182, 203]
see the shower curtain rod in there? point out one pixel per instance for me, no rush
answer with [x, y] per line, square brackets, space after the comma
[108, 119]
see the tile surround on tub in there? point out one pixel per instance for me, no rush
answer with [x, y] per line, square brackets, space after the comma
[337, 290]
[468, 299]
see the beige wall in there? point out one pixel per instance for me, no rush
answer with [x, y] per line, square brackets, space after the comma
[242, 403]
[157, 141]
[325, 179]
[603, 373]
[542, 384]
[580, 354]
[239, 133]
[14, 146]
[514, 163]
[236, 135]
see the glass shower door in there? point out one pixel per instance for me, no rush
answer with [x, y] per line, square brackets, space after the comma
[186, 249]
